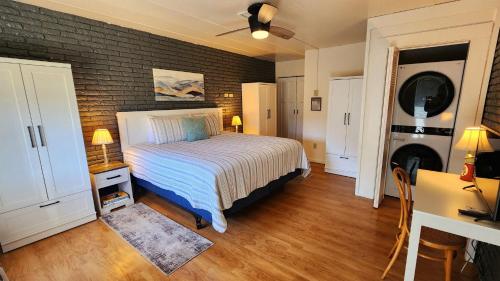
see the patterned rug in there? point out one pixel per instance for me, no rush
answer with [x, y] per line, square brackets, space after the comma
[164, 242]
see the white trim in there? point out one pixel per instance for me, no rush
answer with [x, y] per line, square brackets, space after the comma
[346, 77]
[41, 235]
[133, 126]
[34, 62]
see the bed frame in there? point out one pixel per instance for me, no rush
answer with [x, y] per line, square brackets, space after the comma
[133, 127]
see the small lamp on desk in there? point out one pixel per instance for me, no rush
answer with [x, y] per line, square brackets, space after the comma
[473, 140]
[102, 137]
[236, 122]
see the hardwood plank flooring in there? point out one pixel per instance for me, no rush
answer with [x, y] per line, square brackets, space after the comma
[316, 229]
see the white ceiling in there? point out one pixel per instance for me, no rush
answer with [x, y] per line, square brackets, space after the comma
[321, 23]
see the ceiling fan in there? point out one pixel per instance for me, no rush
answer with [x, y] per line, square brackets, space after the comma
[259, 22]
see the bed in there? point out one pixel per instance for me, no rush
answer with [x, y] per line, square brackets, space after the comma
[211, 177]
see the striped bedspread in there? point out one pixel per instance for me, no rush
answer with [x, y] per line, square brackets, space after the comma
[211, 174]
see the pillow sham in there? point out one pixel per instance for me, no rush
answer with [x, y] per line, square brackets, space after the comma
[166, 129]
[195, 128]
[212, 123]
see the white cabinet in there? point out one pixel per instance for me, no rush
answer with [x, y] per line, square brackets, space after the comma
[259, 109]
[290, 105]
[42, 153]
[342, 132]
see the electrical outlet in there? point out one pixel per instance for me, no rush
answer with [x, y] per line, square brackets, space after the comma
[315, 145]
[316, 92]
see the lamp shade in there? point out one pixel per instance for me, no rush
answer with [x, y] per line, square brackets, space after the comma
[101, 136]
[474, 138]
[236, 121]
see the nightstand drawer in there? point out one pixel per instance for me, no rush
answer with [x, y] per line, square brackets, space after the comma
[111, 177]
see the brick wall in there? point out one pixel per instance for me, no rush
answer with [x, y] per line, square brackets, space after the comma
[112, 66]
[491, 115]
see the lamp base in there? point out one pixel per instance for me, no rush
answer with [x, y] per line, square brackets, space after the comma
[105, 152]
[467, 172]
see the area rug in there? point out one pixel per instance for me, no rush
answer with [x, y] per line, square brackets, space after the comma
[164, 242]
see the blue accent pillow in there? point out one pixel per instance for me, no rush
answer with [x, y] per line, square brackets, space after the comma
[194, 128]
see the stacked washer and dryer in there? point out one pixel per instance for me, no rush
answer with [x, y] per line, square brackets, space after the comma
[423, 122]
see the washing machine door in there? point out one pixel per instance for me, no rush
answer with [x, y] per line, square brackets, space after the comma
[426, 94]
[412, 157]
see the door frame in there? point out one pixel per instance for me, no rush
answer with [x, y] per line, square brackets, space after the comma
[482, 40]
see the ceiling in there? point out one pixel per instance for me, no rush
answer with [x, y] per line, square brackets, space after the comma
[320, 23]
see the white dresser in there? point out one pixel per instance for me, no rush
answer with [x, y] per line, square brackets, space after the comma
[44, 182]
[259, 109]
[342, 132]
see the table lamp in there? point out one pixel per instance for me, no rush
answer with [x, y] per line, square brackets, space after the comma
[236, 122]
[473, 140]
[102, 137]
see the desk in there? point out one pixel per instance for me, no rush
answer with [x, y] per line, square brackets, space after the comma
[438, 196]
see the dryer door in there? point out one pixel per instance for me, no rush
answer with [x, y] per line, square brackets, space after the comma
[412, 157]
[426, 94]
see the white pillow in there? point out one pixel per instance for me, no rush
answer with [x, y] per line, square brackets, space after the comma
[166, 129]
[212, 123]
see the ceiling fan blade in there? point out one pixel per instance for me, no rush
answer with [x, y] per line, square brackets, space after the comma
[281, 32]
[232, 31]
[266, 13]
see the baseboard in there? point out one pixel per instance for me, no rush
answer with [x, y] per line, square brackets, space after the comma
[41, 235]
[344, 173]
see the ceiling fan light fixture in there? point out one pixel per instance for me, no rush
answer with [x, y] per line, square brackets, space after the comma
[259, 30]
[260, 34]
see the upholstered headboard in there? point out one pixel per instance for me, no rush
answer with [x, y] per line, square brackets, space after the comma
[134, 126]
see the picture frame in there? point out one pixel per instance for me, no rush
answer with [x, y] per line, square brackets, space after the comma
[171, 85]
[316, 104]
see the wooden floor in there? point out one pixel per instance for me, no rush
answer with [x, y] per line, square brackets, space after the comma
[316, 229]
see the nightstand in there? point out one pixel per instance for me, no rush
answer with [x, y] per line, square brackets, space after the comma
[109, 179]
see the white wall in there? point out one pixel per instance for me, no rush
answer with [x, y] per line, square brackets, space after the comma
[346, 60]
[290, 68]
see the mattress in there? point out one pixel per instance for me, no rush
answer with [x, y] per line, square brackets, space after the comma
[213, 173]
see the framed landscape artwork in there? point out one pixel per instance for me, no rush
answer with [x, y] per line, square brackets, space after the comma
[173, 85]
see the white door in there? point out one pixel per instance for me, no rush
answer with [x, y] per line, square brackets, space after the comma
[337, 116]
[299, 105]
[272, 120]
[387, 110]
[21, 179]
[58, 129]
[288, 89]
[353, 117]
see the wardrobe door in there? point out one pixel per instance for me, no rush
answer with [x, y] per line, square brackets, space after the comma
[353, 117]
[299, 105]
[57, 126]
[21, 178]
[272, 117]
[337, 117]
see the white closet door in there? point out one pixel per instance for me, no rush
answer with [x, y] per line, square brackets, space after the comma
[337, 116]
[353, 117]
[288, 123]
[263, 110]
[299, 105]
[286, 106]
[51, 90]
[21, 179]
[272, 120]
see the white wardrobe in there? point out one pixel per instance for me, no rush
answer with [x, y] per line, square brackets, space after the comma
[44, 180]
[259, 109]
[290, 105]
[342, 132]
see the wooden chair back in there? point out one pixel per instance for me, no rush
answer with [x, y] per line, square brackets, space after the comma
[402, 181]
